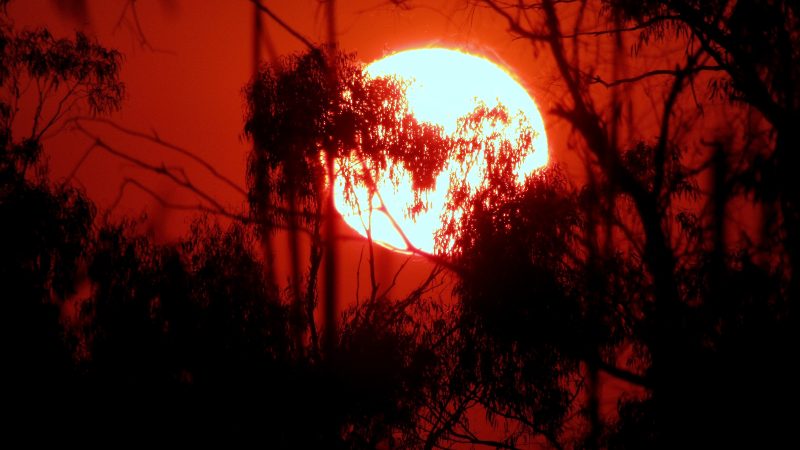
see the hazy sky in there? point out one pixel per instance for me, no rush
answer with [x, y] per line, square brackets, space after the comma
[185, 83]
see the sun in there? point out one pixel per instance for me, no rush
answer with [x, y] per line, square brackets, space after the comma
[444, 85]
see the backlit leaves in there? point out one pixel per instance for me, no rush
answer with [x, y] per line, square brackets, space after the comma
[309, 106]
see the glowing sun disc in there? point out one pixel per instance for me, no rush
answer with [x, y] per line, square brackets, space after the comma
[444, 86]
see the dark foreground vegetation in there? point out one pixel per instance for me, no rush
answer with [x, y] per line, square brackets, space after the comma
[632, 277]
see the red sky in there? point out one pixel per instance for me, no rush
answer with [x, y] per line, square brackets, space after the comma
[185, 85]
[188, 90]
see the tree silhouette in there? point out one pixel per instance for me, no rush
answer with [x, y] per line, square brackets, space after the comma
[298, 115]
[186, 332]
[646, 272]
[45, 226]
[639, 270]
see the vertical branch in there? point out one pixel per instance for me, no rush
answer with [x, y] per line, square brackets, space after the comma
[311, 288]
[593, 407]
[719, 200]
[330, 12]
[266, 239]
[257, 35]
[372, 280]
[298, 310]
[616, 113]
[331, 304]
[660, 158]
[37, 115]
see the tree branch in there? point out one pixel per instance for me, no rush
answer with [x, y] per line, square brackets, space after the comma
[284, 25]
[652, 73]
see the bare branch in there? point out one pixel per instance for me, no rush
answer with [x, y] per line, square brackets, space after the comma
[284, 25]
[394, 278]
[672, 97]
[652, 73]
[638, 27]
[167, 204]
[155, 138]
[80, 162]
[136, 27]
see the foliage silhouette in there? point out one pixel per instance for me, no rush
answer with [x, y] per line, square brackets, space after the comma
[657, 294]
[295, 112]
[634, 275]
[194, 335]
[184, 341]
[46, 227]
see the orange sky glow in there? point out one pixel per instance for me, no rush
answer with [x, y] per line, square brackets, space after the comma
[184, 75]
[186, 63]
[445, 85]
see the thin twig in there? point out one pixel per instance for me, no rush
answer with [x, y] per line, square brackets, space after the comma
[284, 25]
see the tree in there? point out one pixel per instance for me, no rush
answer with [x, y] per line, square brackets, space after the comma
[637, 272]
[191, 334]
[645, 270]
[298, 115]
[45, 227]
[175, 340]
